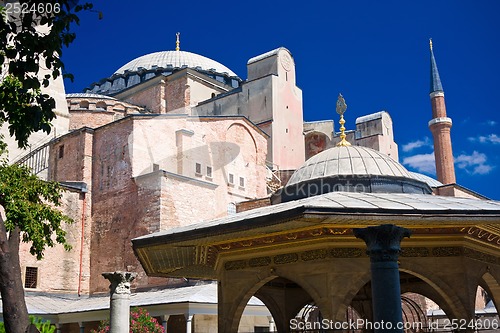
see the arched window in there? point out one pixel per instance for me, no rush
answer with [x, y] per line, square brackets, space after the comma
[101, 106]
[84, 105]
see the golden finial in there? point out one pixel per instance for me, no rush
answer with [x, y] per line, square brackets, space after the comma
[178, 42]
[341, 107]
[430, 43]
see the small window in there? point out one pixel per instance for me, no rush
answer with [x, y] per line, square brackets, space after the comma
[231, 208]
[209, 171]
[198, 169]
[61, 151]
[231, 178]
[242, 182]
[84, 105]
[101, 106]
[31, 277]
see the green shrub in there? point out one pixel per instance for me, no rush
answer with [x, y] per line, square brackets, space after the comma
[43, 325]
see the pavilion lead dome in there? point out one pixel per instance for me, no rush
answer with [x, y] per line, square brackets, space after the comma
[349, 169]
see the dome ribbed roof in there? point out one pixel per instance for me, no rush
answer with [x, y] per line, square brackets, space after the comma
[348, 161]
[176, 59]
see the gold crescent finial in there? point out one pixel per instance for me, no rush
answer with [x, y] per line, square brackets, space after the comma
[341, 108]
[430, 43]
[178, 42]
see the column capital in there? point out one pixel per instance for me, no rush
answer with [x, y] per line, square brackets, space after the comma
[120, 281]
[383, 241]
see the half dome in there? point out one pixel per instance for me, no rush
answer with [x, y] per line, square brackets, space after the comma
[174, 59]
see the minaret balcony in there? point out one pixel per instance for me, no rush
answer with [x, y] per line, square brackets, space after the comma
[440, 121]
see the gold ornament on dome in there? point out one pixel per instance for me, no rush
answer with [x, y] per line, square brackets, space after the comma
[341, 108]
[178, 41]
[341, 105]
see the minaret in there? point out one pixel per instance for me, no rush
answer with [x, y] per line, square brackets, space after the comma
[440, 127]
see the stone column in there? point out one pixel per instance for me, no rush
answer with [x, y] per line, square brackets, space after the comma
[119, 319]
[164, 321]
[189, 322]
[383, 247]
[272, 326]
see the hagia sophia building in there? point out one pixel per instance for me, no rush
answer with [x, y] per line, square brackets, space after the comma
[176, 168]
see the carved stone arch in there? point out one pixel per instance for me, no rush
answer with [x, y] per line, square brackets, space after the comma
[245, 128]
[232, 314]
[305, 284]
[349, 292]
[256, 286]
[428, 291]
[450, 299]
[492, 287]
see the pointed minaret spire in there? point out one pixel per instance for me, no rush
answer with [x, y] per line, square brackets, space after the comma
[178, 42]
[440, 127]
[435, 79]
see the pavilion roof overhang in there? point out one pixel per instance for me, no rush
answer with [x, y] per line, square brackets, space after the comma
[194, 250]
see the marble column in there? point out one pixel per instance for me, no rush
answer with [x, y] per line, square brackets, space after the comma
[272, 326]
[383, 247]
[119, 319]
[189, 322]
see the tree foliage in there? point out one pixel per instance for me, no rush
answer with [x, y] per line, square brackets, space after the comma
[32, 36]
[25, 49]
[31, 205]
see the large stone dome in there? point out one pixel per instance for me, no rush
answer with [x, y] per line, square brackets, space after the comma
[163, 63]
[174, 59]
[349, 169]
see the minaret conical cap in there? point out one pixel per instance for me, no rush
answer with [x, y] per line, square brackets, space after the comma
[435, 79]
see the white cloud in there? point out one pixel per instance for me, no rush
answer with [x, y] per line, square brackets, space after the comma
[491, 138]
[475, 163]
[491, 122]
[422, 163]
[426, 142]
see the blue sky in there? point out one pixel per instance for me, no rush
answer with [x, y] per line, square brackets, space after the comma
[376, 53]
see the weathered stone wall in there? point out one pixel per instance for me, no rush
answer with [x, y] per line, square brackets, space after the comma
[177, 95]
[149, 96]
[92, 119]
[137, 189]
[60, 269]
[97, 111]
[374, 131]
[68, 156]
[252, 204]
